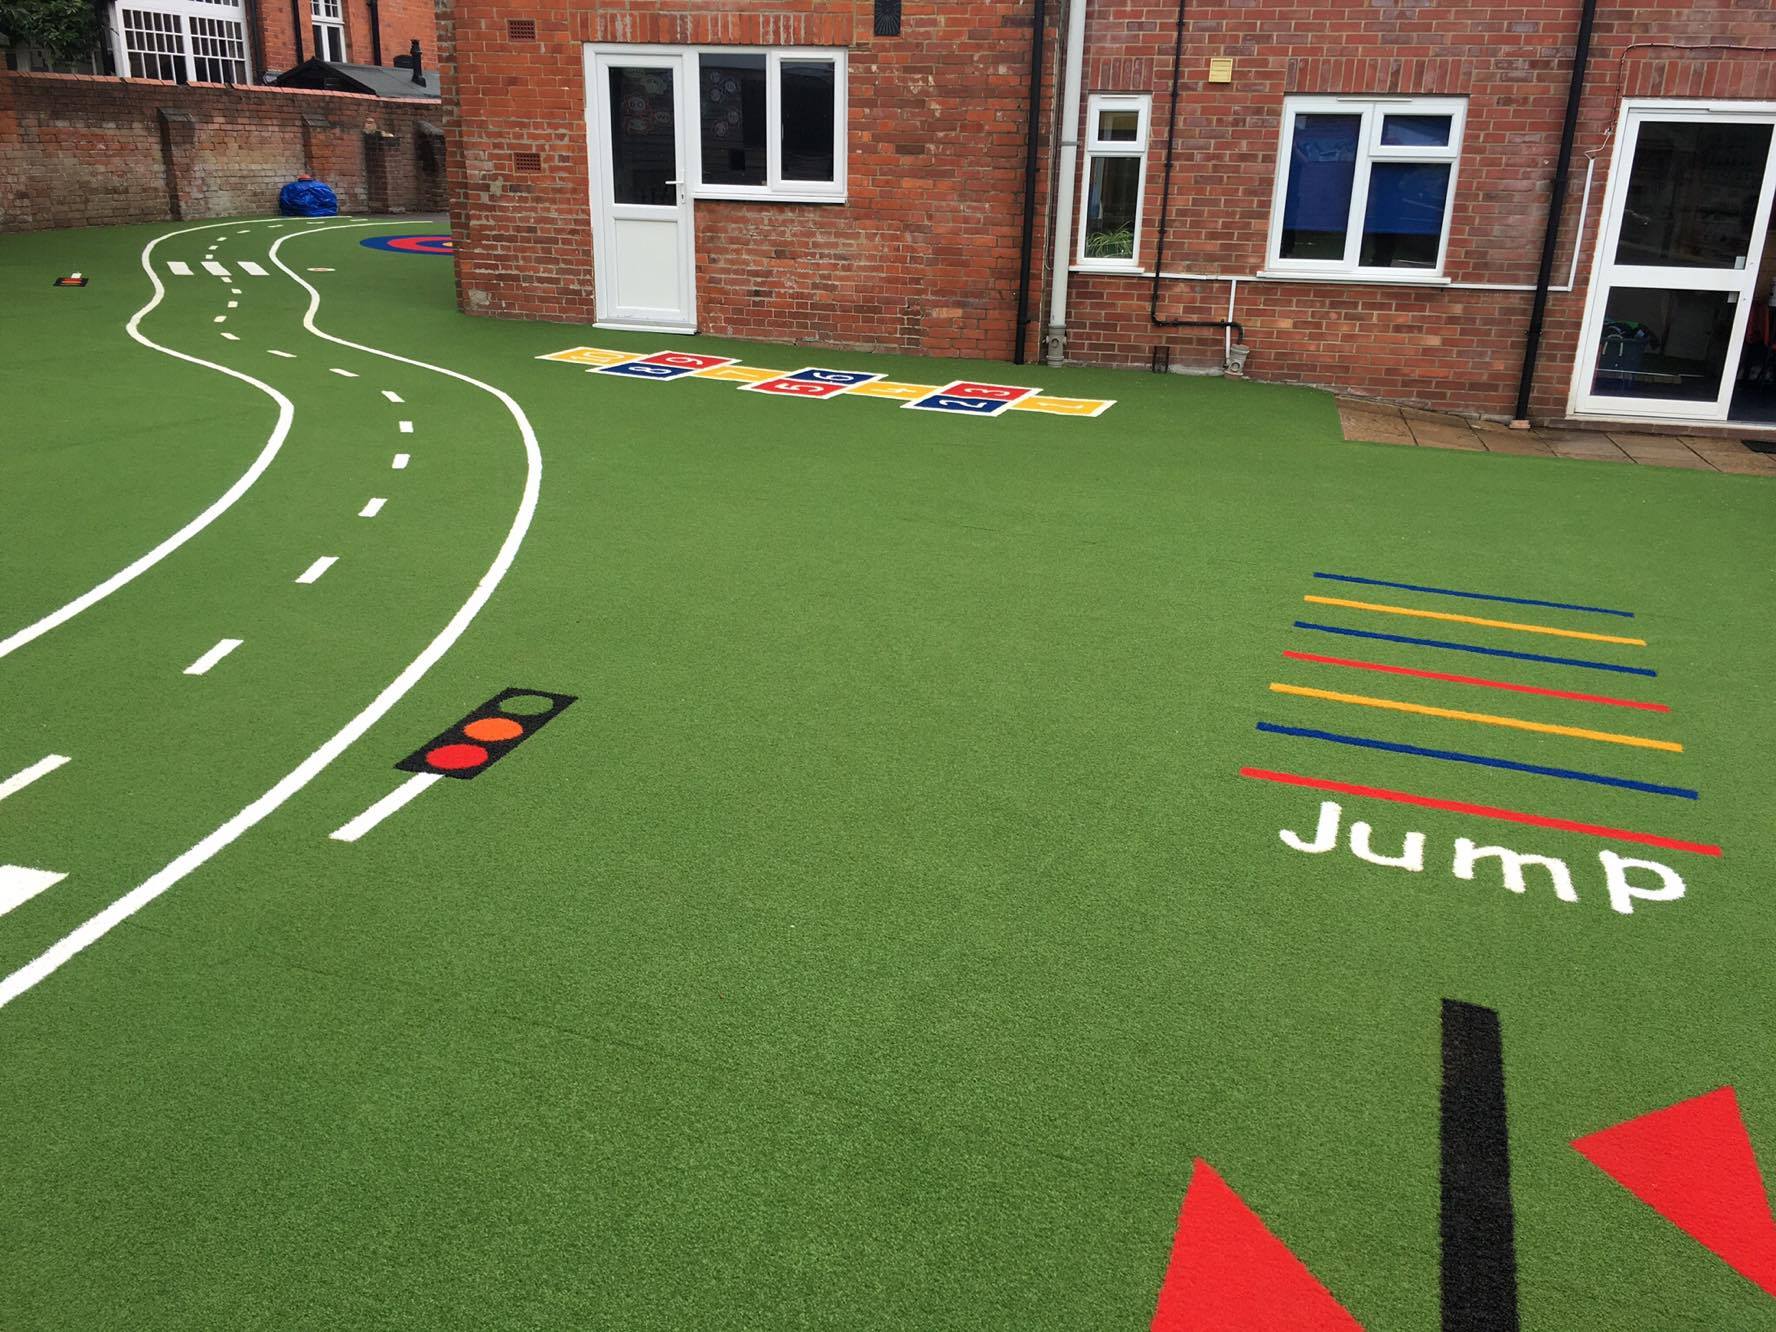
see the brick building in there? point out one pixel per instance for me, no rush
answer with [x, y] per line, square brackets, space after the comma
[1354, 195]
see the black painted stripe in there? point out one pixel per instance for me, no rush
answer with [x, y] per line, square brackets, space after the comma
[1479, 1246]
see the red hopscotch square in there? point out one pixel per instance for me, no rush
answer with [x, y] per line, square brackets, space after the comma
[786, 387]
[997, 392]
[687, 360]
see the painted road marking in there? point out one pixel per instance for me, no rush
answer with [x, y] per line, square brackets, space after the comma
[25, 776]
[320, 270]
[240, 233]
[1382, 609]
[232, 337]
[313, 573]
[346, 374]
[1483, 718]
[251, 269]
[178, 268]
[211, 266]
[230, 830]
[220, 319]
[288, 356]
[234, 305]
[202, 665]
[234, 291]
[401, 461]
[19, 884]
[396, 799]
[406, 427]
[392, 396]
[373, 508]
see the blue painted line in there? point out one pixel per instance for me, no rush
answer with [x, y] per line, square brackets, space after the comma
[1474, 596]
[1483, 651]
[1455, 756]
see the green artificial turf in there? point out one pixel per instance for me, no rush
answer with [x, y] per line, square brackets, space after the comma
[886, 928]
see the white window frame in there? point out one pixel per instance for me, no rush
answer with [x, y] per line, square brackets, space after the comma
[1097, 103]
[227, 11]
[775, 189]
[319, 20]
[1371, 109]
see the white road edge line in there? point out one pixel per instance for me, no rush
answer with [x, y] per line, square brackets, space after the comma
[401, 461]
[95, 928]
[392, 396]
[19, 884]
[202, 665]
[373, 508]
[273, 442]
[313, 573]
[396, 799]
[25, 776]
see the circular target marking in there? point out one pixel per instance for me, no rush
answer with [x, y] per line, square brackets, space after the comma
[454, 758]
[526, 705]
[493, 728]
[429, 244]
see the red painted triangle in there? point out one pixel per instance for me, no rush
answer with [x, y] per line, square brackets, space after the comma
[1692, 1163]
[1230, 1274]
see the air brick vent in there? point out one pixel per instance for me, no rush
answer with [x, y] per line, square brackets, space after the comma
[527, 161]
[521, 30]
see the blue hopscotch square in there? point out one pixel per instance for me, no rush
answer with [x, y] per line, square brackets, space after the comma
[845, 378]
[946, 402]
[644, 370]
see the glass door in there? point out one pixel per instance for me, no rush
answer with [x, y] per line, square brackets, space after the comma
[1677, 263]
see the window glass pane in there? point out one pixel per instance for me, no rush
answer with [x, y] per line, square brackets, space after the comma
[155, 43]
[1692, 195]
[1663, 344]
[1416, 131]
[731, 113]
[807, 111]
[1122, 126]
[1403, 223]
[1112, 198]
[644, 151]
[1322, 167]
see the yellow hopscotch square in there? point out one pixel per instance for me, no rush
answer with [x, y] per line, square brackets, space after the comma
[887, 388]
[590, 356]
[1065, 406]
[737, 374]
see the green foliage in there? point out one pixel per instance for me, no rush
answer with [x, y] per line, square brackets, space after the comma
[1117, 244]
[63, 28]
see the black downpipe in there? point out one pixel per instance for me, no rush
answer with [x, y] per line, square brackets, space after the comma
[1027, 248]
[1575, 92]
[375, 33]
[296, 26]
[1165, 198]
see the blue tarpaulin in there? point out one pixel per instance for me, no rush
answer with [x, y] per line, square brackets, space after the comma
[308, 198]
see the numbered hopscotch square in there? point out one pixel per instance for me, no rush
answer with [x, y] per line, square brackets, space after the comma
[843, 378]
[971, 398]
[1065, 406]
[787, 386]
[593, 356]
[687, 360]
[665, 365]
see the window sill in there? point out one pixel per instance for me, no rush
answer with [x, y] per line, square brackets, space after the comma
[1413, 279]
[1109, 270]
[713, 196]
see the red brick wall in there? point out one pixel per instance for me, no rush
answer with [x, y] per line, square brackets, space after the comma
[76, 150]
[923, 256]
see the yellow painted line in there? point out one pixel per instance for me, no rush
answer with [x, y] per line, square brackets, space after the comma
[887, 388]
[1484, 718]
[737, 374]
[1473, 619]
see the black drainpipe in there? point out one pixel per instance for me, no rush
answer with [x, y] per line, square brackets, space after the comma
[296, 27]
[1026, 249]
[1575, 92]
[1165, 199]
[375, 33]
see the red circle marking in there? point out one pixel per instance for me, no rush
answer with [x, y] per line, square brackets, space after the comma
[451, 758]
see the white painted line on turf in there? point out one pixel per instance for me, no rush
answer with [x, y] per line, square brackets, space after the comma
[273, 442]
[346, 374]
[396, 799]
[19, 885]
[240, 233]
[234, 291]
[251, 269]
[234, 305]
[392, 396]
[202, 665]
[178, 268]
[220, 319]
[288, 356]
[373, 508]
[232, 337]
[25, 776]
[401, 461]
[313, 573]
[405, 427]
[320, 270]
[97, 927]
[211, 266]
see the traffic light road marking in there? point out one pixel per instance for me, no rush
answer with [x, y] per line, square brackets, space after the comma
[487, 734]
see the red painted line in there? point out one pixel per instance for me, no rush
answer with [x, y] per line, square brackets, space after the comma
[1483, 811]
[1476, 680]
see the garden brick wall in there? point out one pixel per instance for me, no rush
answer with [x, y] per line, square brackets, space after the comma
[79, 150]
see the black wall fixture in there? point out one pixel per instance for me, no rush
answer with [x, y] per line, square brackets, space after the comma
[887, 18]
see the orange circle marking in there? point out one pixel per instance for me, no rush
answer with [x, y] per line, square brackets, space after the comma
[493, 728]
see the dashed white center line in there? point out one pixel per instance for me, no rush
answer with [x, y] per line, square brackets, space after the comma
[394, 800]
[23, 778]
[313, 573]
[392, 396]
[320, 270]
[288, 356]
[178, 268]
[19, 884]
[221, 319]
[234, 291]
[211, 266]
[240, 233]
[202, 665]
[373, 508]
[232, 337]
[234, 305]
[406, 427]
[348, 374]
[401, 461]
[251, 269]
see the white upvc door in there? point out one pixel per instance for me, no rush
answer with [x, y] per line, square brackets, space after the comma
[639, 107]
[1677, 263]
